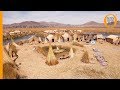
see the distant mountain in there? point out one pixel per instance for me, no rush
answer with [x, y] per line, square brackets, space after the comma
[43, 24]
[93, 24]
[32, 24]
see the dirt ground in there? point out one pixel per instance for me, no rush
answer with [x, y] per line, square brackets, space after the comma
[34, 67]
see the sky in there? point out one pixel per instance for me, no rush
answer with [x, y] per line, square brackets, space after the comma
[66, 17]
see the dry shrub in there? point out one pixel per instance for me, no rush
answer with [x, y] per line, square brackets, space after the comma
[10, 71]
[85, 57]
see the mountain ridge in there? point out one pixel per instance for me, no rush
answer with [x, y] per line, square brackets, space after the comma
[43, 24]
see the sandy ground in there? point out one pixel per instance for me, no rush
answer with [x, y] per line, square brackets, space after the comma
[33, 63]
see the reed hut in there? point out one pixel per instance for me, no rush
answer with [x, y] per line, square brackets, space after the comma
[75, 37]
[66, 37]
[100, 36]
[51, 38]
[111, 38]
[117, 42]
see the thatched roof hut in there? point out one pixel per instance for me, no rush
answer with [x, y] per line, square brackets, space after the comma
[117, 42]
[114, 37]
[51, 38]
[111, 38]
[67, 37]
[100, 36]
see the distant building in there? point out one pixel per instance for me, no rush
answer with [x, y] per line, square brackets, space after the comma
[17, 32]
[66, 37]
[11, 33]
[112, 38]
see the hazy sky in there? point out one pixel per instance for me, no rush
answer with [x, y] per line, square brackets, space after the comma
[67, 17]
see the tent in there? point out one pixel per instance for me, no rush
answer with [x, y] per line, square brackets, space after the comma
[100, 36]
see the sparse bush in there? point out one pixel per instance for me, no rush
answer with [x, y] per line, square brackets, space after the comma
[85, 57]
[10, 72]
